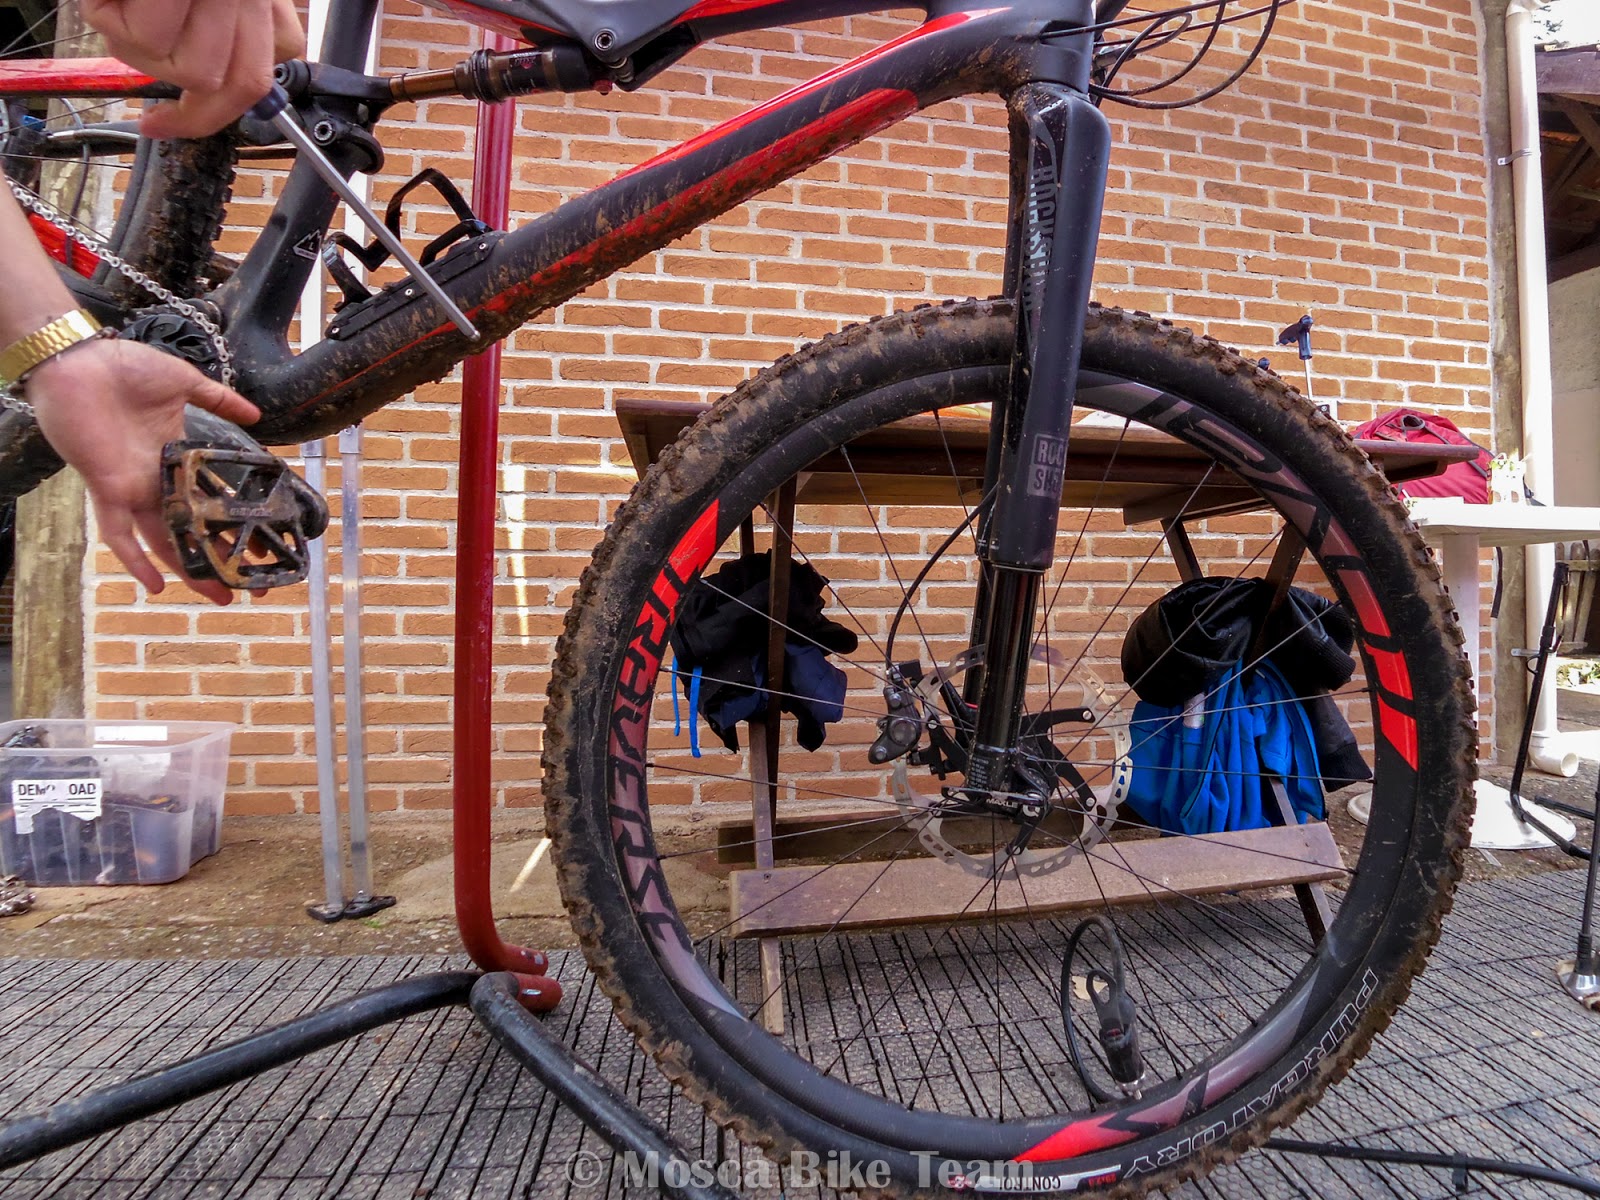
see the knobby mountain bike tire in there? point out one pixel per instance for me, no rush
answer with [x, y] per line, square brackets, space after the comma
[939, 1049]
[158, 205]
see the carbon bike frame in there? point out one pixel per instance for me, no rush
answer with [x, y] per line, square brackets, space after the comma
[1036, 54]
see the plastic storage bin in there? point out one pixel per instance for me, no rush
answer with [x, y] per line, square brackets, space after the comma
[110, 802]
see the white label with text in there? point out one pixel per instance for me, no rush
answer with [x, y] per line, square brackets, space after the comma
[79, 797]
[131, 733]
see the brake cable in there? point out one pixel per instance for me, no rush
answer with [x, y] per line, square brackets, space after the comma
[1115, 1011]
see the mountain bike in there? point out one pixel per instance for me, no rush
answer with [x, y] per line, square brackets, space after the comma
[988, 499]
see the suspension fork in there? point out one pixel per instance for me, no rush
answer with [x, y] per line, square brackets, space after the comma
[1060, 155]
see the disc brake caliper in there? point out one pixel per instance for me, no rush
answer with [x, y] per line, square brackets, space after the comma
[901, 729]
[240, 516]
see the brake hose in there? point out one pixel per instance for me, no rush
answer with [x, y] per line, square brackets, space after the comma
[1119, 1029]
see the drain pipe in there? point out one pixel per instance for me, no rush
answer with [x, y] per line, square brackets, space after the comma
[1533, 311]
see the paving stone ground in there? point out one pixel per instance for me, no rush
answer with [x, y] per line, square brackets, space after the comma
[1487, 1058]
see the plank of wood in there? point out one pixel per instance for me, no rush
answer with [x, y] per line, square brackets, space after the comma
[1574, 72]
[864, 895]
[909, 462]
[815, 835]
[48, 663]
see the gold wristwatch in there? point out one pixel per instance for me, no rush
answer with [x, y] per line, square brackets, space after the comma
[27, 353]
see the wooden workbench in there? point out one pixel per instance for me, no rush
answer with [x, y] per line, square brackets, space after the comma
[1145, 473]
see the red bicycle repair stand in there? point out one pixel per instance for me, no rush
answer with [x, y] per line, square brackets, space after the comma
[516, 987]
[474, 633]
[505, 1002]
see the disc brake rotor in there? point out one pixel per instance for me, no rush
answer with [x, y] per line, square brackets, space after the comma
[982, 844]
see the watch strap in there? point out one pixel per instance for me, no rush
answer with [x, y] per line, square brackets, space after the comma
[26, 353]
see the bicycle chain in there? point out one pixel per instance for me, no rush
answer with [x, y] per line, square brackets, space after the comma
[71, 229]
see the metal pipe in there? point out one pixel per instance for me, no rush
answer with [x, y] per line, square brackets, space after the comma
[474, 633]
[355, 725]
[314, 453]
[1583, 982]
[80, 1119]
[322, 703]
[1533, 311]
[578, 1086]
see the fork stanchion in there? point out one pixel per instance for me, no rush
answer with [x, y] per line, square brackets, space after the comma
[474, 632]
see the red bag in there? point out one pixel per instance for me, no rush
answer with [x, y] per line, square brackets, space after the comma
[1469, 480]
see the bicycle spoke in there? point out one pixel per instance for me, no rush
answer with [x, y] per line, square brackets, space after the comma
[22, 39]
[888, 555]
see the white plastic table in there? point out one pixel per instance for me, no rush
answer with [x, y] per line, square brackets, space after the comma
[1461, 530]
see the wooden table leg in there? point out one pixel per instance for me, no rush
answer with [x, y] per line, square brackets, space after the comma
[1280, 574]
[1182, 552]
[1313, 897]
[767, 730]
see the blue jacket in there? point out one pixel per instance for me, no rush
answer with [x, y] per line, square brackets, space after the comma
[1205, 774]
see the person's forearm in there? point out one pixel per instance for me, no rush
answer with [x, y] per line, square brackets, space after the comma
[31, 293]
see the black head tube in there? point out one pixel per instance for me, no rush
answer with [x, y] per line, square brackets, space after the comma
[1109, 10]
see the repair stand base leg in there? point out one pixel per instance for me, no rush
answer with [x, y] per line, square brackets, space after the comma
[1581, 977]
[361, 906]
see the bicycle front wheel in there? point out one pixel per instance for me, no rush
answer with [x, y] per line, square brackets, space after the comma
[900, 974]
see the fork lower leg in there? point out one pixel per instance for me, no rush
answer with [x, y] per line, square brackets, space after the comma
[1063, 143]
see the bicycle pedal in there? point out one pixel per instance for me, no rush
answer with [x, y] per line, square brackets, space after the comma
[239, 516]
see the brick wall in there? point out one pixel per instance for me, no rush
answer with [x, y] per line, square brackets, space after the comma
[1343, 176]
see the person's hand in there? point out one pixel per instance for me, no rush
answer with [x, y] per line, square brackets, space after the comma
[108, 407]
[220, 52]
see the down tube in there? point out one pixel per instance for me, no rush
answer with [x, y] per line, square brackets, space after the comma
[340, 380]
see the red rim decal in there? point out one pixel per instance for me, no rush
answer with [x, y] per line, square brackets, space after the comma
[1081, 1137]
[1400, 731]
[62, 248]
[649, 642]
[1393, 674]
[1367, 610]
[697, 546]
